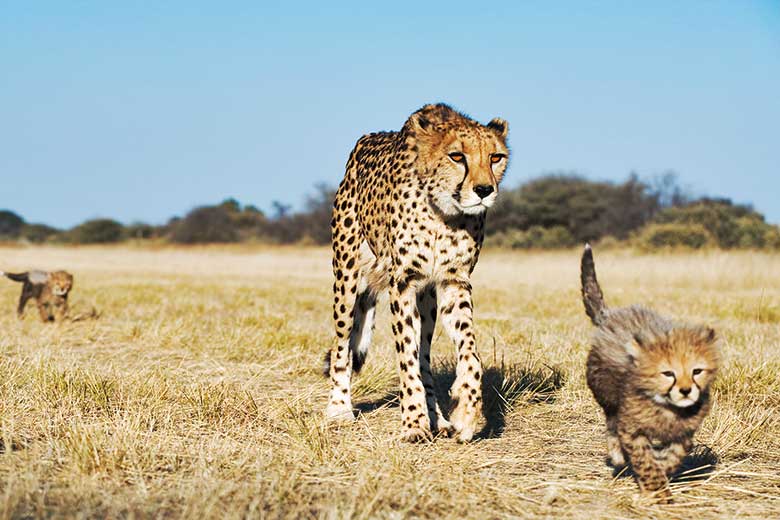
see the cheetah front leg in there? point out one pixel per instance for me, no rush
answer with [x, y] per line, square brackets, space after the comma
[670, 457]
[27, 293]
[426, 304]
[466, 391]
[61, 310]
[406, 329]
[651, 476]
[614, 450]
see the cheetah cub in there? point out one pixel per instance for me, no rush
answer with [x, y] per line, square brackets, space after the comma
[652, 377]
[48, 289]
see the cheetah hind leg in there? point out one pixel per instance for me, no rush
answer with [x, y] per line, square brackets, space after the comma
[359, 343]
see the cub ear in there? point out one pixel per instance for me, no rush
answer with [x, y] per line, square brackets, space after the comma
[633, 347]
[707, 335]
[499, 126]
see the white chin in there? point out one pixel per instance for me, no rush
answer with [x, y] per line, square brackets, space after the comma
[451, 207]
[683, 403]
[474, 210]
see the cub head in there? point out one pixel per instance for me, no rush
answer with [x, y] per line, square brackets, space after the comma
[61, 282]
[460, 160]
[677, 369]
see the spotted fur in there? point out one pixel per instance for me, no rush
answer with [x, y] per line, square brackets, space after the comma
[49, 289]
[408, 218]
[651, 377]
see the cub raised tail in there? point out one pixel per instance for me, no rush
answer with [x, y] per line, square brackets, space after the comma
[16, 277]
[592, 296]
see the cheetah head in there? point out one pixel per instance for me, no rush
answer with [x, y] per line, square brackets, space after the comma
[460, 160]
[61, 282]
[678, 368]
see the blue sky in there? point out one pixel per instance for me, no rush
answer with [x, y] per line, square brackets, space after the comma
[141, 110]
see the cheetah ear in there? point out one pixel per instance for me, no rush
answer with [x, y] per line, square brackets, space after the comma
[707, 335]
[430, 115]
[633, 348]
[499, 126]
[420, 122]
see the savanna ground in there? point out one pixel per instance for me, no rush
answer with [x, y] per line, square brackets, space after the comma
[197, 392]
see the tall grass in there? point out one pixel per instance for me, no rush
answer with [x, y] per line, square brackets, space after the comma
[194, 390]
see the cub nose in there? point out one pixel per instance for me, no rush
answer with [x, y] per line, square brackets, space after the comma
[483, 190]
[685, 391]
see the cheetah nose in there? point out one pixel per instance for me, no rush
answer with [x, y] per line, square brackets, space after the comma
[483, 190]
[685, 391]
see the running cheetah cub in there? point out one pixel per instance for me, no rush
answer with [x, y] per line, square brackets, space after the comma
[652, 377]
[48, 289]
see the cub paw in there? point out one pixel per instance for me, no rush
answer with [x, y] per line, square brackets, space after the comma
[616, 459]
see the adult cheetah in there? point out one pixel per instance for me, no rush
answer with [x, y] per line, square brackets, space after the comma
[409, 217]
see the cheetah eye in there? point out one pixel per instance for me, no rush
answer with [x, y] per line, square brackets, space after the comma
[497, 158]
[457, 157]
[697, 371]
[668, 373]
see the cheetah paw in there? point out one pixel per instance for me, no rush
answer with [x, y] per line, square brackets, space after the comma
[339, 413]
[416, 435]
[444, 428]
[464, 424]
[616, 459]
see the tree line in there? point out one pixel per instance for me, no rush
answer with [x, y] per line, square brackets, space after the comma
[556, 210]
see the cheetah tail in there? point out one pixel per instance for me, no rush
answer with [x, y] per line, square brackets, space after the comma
[358, 358]
[592, 297]
[16, 277]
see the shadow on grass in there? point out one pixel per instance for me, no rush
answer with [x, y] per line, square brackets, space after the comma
[696, 466]
[388, 400]
[503, 386]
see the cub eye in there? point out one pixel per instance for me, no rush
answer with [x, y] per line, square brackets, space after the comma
[496, 158]
[697, 371]
[457, 157]
[668, 373]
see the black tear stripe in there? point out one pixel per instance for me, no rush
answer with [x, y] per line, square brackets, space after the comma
[459, 187]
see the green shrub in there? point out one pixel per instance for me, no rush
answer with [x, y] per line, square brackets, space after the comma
[730, 225]
[657, 236]
[535, 237]
[207, 224]
[38, 233]
[97, 231]
[588, 210]
[10, 224]
[772, 237]
[139, 230]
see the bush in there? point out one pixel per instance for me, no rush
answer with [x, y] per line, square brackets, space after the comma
[772, 237]
[657, 236]
[37, 233]
[731, 225]
[139, 231]
[10, 224]
[207, 224]
[535, 237]
[588, 210]
[97, 231]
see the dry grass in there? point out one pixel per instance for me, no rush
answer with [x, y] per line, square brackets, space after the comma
[197, 392]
